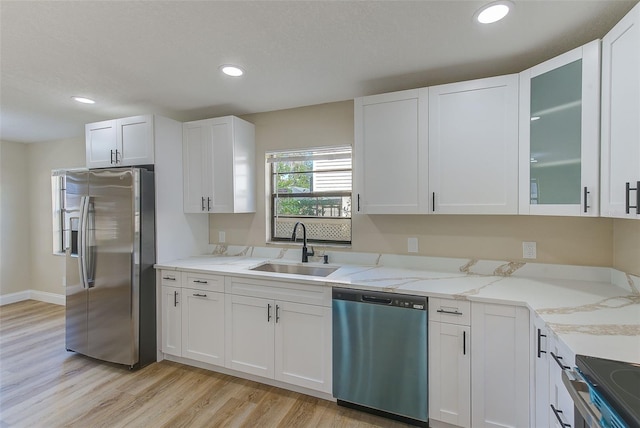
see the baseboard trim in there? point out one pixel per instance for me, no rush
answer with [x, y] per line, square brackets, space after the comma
[42, 296]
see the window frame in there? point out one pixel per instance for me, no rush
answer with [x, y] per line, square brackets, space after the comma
[327, 153]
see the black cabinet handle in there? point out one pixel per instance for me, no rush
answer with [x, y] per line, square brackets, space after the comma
[433, 202]
[558, 358]
[111, 161]
[269, 313]
[200, 282]
[358, 202]
[540, 336]
[627, 193]
[199, 295]
[442, 311]
[175, 298]
[557, 413]
[202, 203]
[117, 157]
[170, 278]
[208, 204]
[277, 313]
[464, 343]
[585, 193]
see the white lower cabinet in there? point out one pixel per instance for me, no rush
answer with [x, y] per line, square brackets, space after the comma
[278, 339]
[203, 326]
[540, 413]
[449, 362]
[172, 320]
[500, 364]
[560, 402]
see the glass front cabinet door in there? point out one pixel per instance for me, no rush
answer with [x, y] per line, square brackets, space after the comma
[559, 135]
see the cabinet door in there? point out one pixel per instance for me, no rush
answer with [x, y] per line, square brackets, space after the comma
[391, 153]
[621, 118]
[561, 403]
[195, 158]
[540, 416]
[499, 366]
[203, 326]
[249, 340]
[135, 141]
[303, 345]
[473, 146]
[171, 320]
[449, 374]
[100, 144]
[559, 134]
[221, 166]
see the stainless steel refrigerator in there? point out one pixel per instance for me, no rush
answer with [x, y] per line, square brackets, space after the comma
[110, 282]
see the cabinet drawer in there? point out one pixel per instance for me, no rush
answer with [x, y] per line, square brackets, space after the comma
[450, 311]
[170, 278]
[319, 295]
[202, 281]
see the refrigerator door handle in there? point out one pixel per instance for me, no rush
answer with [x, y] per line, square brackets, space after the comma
[82, 241]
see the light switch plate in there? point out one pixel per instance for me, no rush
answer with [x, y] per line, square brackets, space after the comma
[412, 245]
[528, 250]
[222, 237]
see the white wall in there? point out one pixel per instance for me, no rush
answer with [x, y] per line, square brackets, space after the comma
[14, 218]
[47, 270]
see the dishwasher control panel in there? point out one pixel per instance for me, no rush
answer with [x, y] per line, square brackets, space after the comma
[381, 298]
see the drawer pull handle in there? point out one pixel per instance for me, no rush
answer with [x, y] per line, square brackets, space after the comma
[558, 358]
[199, 295]
[200, 282]
[557, 413]
[442, 311]
[170, 278]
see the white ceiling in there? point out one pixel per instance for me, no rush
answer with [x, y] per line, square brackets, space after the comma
[136, 57]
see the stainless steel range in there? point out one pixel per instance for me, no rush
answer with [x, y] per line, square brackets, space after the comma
[606, 393]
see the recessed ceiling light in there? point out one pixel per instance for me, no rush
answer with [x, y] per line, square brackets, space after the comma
[493, 12]
[232, 70]
[84, 100]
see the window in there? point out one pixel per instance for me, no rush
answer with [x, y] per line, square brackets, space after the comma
[57, 210]
[312, 186]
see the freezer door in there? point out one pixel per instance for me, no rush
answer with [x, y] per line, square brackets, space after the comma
[76, 191]
[113, 228]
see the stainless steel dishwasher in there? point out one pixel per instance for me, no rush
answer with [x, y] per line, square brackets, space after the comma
[380, 353]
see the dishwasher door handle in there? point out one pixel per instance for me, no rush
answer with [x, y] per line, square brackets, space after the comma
[376, 300]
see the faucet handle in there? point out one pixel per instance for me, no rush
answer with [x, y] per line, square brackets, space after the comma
[325, 259]
[312, 252]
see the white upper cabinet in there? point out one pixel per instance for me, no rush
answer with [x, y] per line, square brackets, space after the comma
[473, 146]
[218, 158]
[390, 168]
[120, 142]
[620, 166]
[559, 134]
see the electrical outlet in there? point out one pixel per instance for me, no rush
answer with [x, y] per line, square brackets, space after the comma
[222, 237]
[528, 250]
[412, 245]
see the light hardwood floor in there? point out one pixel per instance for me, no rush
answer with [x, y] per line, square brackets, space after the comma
[43, 385]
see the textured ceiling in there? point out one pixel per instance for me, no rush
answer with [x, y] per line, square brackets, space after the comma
[136, 57]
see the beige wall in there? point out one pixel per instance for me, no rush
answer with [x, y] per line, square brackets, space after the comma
[47, 270]
[14, 218]
[626, 245]
[560, 240]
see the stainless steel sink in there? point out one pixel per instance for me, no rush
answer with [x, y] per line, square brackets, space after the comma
[298, 269]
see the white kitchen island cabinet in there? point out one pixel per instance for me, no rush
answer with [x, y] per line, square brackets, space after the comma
[449, 362]
[286, 340]
[560, 133]
[120, 142]
[500, 374]
[390, 151]
[218, 158]
[473, 146]
[620, 138]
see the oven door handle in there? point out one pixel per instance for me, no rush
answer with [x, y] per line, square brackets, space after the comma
[576, 388]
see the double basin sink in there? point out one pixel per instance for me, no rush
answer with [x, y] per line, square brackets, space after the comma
[296, 269]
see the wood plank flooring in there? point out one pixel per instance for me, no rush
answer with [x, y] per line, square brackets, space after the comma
[43, 385]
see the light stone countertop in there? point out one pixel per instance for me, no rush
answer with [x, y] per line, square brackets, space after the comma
[594, 311]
